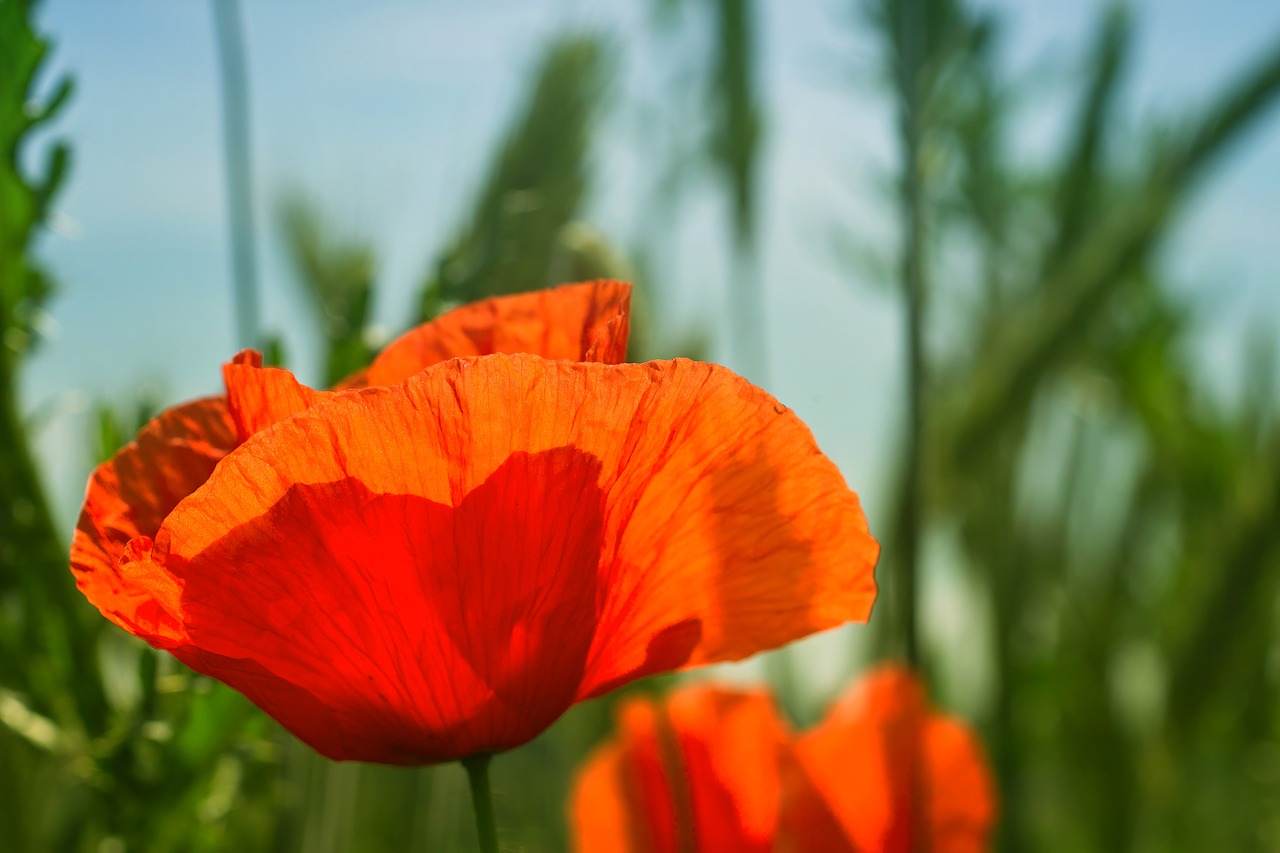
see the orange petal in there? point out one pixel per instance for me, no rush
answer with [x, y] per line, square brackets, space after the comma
[732, 533]
[601, 809]
[453, 561]
[578, 322]
[130, 495]
[891, 770]
[258, 396]
[622, 799]
[806, 821]
[700, 772]
[730, 742]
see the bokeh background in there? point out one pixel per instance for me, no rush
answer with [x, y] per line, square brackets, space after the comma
[1015, 263]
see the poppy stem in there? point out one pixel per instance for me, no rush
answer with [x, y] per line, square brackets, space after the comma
[477, 767]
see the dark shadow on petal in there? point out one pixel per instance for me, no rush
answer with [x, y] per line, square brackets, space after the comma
[526, 568]
[667, 650]
[805, 819]
[424, 632]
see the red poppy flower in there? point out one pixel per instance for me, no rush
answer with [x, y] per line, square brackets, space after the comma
[714, 769]
[436, 569]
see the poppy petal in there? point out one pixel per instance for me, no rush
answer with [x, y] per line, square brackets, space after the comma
[730, 742]
[698, 772]
[623, 800]
[596, 511]
[731, 532]
[603, 806]
[862, 757]
[578, 322]
[962, 802]
[357, 598]
[806, 821]
[258, 396]
[130, 495]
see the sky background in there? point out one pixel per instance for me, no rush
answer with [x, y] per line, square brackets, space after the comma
[386, 112]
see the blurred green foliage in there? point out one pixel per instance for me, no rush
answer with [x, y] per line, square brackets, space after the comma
[1114, 519]
[536, 184]
[99, 738]
[729, 135]
[1119, 522]
[338, 277]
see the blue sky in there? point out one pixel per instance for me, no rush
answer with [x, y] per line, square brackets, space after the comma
[386, 111]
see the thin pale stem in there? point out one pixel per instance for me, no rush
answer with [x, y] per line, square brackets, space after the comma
[235, 124]
[477, 767]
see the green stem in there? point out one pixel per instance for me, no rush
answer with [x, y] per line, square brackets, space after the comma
[477, 767]
[912, 210]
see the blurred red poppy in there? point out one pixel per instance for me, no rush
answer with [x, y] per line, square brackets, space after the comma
[713, 769]
[436, 569]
